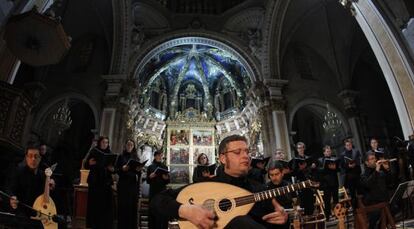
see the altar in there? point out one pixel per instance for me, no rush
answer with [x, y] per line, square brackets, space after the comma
[189, 134]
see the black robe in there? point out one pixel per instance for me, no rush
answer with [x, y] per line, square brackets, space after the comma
[157, 184]
[99, 213]
[128, 187]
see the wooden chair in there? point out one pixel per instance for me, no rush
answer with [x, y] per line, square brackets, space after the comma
[343, 198]
[361, 217]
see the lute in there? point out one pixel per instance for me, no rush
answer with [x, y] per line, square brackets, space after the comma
[340, 213]
[45, 206]
[228, 201]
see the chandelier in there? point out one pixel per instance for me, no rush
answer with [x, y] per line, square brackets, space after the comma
[331, 122]
[62, 119]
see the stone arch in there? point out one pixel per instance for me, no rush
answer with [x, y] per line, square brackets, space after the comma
[42, 114]
[392, 59]
[320, 103]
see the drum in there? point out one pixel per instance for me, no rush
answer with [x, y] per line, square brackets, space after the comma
[314, 222]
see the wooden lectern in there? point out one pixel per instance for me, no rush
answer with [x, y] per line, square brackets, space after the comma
[81, 199]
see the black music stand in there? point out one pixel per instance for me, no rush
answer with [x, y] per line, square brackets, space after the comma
[404, 191]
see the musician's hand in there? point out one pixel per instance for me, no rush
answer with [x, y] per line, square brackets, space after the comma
[205, 174]
[110, 168]
[313, 165]
[385, 164]
[378, 165]
[165, 176]
[279, 216]
[48, 172]
[125, 168]
[332, 166]
[52, 184]
[351, 165]
[92, 161]
[13, 202]
[152, 175]
[197, 215]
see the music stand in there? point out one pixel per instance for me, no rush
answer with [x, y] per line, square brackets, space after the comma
[404, 191]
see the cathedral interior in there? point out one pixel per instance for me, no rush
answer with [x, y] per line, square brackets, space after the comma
[181, 75]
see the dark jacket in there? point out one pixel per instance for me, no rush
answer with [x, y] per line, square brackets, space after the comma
[285, 200]
[157, 184]
[350, 173]
[26, 185]
[328, 178]
[374, 186]
[165, 204]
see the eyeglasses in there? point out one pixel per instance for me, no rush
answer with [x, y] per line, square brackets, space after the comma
[239, 151]
[33, 156]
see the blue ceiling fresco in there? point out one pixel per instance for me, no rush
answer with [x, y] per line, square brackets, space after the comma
[197, 63]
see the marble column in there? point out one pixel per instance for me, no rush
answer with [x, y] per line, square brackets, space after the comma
[112, 118]
[277, 128]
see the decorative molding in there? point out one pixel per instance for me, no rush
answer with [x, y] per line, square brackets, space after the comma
[121, 36]
[348, 5]
[114, 83]
[247, 24]
[272, 33]
[349, 100]
[16, 107]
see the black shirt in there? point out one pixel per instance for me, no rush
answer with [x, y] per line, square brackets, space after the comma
[375, 186]
[27, 185]
[166, 205]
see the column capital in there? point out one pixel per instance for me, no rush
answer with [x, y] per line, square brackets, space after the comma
[278, 104]
[275, 88]
[114, 83]
[349, 100]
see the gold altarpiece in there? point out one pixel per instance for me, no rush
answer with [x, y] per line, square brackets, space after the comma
[189, 134]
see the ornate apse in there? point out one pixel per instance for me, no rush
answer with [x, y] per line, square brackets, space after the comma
[189, 94]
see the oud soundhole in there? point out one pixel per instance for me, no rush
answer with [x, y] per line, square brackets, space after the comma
[225, 204]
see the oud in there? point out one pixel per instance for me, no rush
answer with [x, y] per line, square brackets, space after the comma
[228, 201]
[45, 205]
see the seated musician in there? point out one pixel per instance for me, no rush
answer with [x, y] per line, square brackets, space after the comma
[276, 176]
[234, 155]
[27, 183]
[374, 182]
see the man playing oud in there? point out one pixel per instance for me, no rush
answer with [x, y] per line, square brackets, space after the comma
[234, 155]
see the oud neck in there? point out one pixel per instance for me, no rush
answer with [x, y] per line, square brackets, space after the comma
[272, 193]
[46, 192]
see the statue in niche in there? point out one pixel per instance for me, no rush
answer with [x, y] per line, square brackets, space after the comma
[137, 36]
[254, 37]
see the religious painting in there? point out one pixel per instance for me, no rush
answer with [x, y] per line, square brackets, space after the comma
[179, 156]
[207, 151]
[202, 137]
[179, 174]
[179, 137]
